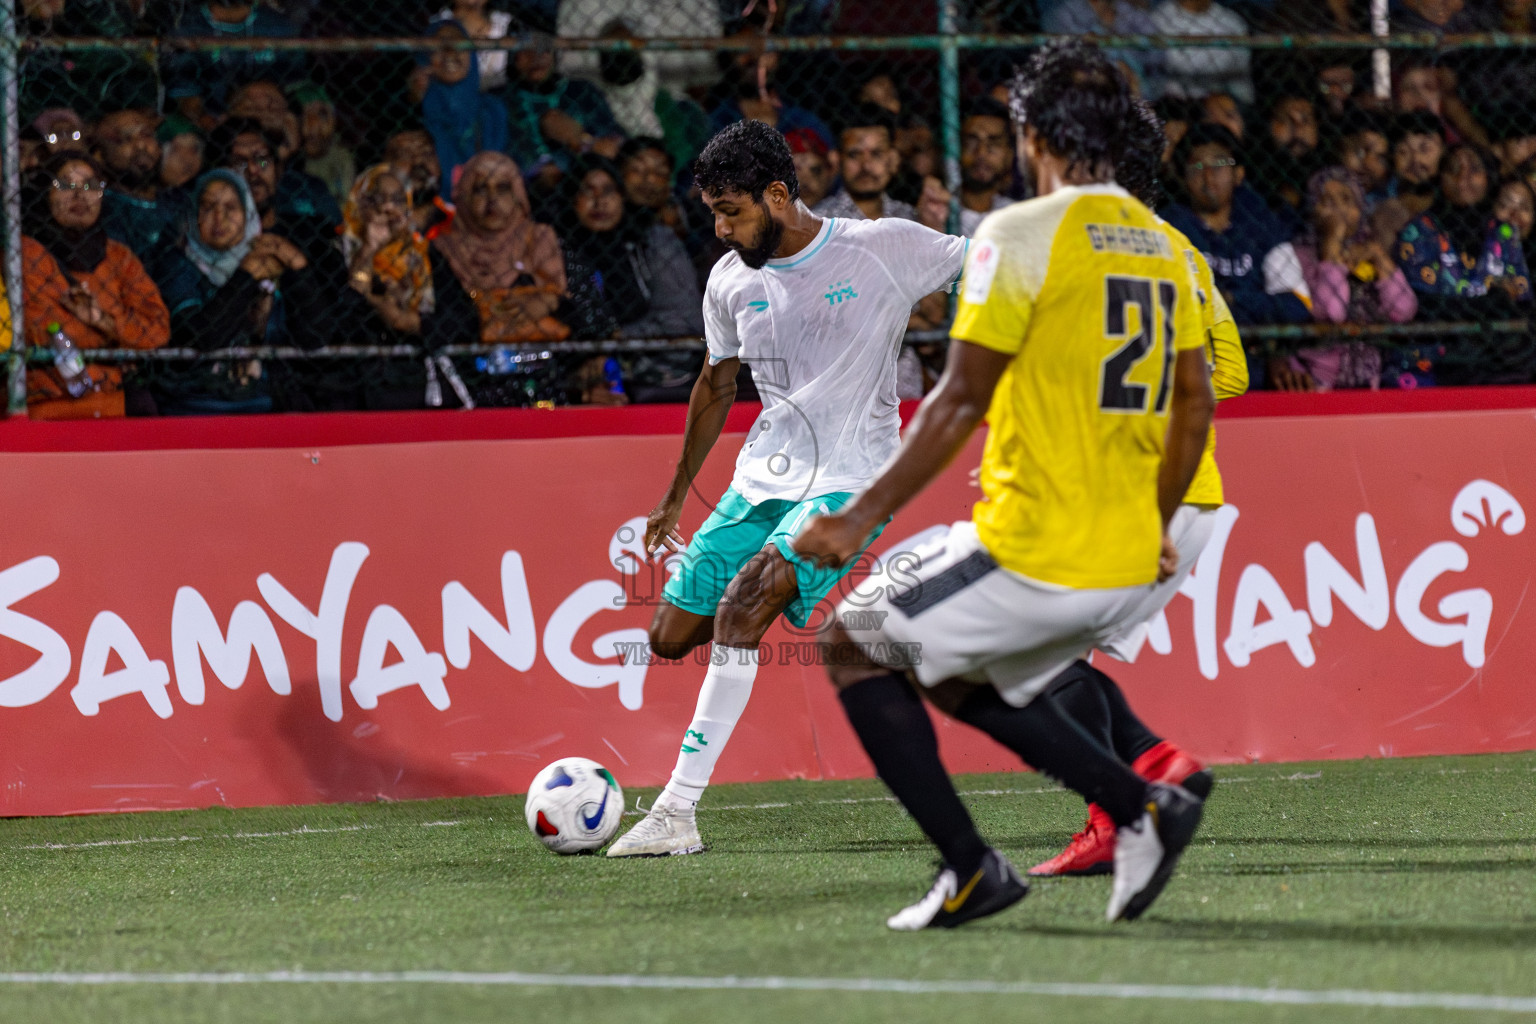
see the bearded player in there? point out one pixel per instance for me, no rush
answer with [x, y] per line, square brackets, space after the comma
[817, 308]
[1090, 695]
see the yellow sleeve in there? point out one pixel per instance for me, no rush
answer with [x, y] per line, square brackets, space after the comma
[995, 299]
[1189, 317]
[1229, 363]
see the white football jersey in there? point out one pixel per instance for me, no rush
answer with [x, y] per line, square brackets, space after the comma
[821, 331]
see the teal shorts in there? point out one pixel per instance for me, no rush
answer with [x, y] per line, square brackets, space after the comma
[734, 532]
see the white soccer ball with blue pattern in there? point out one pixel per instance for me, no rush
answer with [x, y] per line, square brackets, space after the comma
[574, 805]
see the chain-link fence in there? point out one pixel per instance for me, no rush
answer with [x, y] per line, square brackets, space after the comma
[226, 207]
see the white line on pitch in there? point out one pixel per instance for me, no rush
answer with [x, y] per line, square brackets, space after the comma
[303, 830]
[1077, 990]
[111, 842]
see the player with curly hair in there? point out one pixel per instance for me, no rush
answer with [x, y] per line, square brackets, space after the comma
[817, 308]
[1090, 696]
[1078, 338]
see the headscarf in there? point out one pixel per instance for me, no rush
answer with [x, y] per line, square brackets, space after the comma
[484, 259]
[615, 255]
[77, 251]
[213, 264]
[403, 260]
[462, 120]
[1363, 301]
[1347, 178]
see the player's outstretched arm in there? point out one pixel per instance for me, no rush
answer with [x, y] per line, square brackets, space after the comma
[708, 406]
[1189, 420]
[944, 422]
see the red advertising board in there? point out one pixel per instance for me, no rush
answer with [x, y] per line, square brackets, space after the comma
[242, 626]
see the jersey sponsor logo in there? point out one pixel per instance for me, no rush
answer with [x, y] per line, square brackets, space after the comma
[841, 291]
[757, 306]
[978, 276]
[1129, 241]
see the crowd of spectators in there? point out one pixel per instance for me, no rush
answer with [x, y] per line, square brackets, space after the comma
[217, 198]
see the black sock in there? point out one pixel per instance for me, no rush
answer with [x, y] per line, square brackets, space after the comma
[1078, 693]
[1048, 739]
[893, 725]
[1129, 735]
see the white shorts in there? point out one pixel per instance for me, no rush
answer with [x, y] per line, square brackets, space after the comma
[1190, 530]
[957, 613]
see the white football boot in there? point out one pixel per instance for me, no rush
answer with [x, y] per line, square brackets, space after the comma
[1147, 852]
[664, 832]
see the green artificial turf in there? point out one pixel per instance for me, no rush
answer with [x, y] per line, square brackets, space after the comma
[1391, 876]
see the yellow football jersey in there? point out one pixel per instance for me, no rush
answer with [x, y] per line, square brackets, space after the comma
[1087, 292]
[1224, 353]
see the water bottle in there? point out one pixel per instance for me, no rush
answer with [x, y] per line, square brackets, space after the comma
[498, 362]
[69, 362]
[613, 375]
[434, 396]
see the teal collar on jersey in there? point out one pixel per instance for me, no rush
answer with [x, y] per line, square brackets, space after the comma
[785, 262]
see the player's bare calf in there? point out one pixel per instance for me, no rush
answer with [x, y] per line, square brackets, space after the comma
[757, 595]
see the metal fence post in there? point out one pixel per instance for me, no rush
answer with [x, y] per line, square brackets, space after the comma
[1381, 61]
[949, 102]
[10, 195]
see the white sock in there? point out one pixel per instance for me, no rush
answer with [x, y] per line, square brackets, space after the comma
[722, 699]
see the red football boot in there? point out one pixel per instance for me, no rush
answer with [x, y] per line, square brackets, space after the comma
[1091, 851]
[1168, 763]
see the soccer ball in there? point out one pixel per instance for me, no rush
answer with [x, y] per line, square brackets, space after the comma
[574, 805]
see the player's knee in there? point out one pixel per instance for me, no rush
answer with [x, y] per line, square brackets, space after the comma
[668, 648]
[675, 632]
[670, 641]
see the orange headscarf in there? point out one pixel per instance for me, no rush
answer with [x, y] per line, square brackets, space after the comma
[404, 260]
